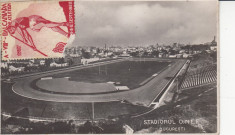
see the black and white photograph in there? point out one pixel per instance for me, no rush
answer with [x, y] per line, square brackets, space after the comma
[130, 67]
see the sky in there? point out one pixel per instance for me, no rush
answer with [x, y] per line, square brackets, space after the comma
[120, 23]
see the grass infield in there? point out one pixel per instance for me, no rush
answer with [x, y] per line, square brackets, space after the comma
[126, 73]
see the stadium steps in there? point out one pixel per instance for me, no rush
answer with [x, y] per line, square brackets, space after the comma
[200, 76]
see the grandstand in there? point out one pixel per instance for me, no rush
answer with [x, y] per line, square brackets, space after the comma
[199, 76]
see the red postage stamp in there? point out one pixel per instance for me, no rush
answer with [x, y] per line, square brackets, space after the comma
[39, 29]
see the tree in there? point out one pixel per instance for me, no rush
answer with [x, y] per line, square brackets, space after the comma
[98, 50]
[48, 62]
[155, 53]
[214, 56]
[145, 53]
[85, 54]
[172, 52]
[61, 60]
[164, 51]
[134, 54]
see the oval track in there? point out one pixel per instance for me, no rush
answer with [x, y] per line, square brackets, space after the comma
[142, 95]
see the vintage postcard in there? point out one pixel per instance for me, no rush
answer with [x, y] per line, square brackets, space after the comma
[109, 67]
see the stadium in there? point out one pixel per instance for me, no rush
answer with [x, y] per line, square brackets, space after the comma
[103, 90]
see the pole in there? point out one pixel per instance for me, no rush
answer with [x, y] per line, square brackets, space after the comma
[29, 46]
[177, 85]
[106, 70]
[93, 112]
[99, 69]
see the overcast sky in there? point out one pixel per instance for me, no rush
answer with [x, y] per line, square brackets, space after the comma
[144, 23]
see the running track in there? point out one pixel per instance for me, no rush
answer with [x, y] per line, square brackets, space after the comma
[143, 95]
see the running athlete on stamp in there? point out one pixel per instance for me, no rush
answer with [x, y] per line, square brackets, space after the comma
[28, 30]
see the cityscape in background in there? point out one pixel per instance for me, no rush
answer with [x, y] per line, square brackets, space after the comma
[83, 55]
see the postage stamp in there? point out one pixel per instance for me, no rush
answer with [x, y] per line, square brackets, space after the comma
[36, 29]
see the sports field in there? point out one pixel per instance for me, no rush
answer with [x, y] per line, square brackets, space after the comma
[126, 73]
[20, 94]
[135, 74]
